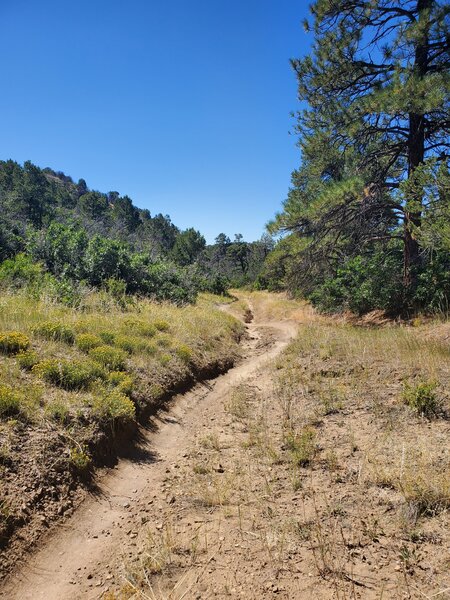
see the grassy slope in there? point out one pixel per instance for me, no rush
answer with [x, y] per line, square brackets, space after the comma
[85, 378]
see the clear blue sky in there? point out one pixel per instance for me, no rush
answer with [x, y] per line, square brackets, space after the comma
[182, 105]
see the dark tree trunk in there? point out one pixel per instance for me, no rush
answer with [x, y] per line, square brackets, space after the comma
[416, 156]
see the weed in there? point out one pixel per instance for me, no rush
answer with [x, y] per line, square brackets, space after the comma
[79, 459]
[58, 411]
[422, 398]
[109, 337]
[27, 359]
[302, 446]
[184, 352]
[239, 404]
[140, 327]
[211, 442]
[54, 330]
[10, 401]
[13, 342]
[161, 325]
[111, 358]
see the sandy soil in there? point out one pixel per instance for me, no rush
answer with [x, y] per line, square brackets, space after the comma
[88, 555]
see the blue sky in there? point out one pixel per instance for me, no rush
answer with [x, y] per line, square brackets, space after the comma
[182, 105]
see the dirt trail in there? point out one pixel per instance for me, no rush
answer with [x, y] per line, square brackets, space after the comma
[82, 557]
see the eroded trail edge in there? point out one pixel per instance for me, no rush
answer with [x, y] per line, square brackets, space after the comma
[85, 556]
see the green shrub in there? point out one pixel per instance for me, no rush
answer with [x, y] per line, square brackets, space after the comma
[164, 340]
[164, 359]
[161, 325]
[54, 330]
[13, 342]
[122, 381]
[27, 359]
[111, 358]
[108, 337]
[422, 398]
[87, 341]
[184, 352]
[113, 405]
[79, 459]
[126, 343]
[9, 401]
[140, 327]
[69, 375]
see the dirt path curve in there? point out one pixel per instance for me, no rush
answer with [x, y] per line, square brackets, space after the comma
[79, 557]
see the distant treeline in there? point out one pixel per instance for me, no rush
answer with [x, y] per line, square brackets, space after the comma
[56, 230]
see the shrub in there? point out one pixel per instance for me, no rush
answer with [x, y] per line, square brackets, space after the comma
[111, 358]
[184, 352]
[79, 459]
[108, 337]
[9, 401]
[122, 381]
[87, 341]
[161, 325]
[125, 343]
[27, 359]
[140, 327]
[113, 405]
[70, 375]
[164, 359]
[422, 398]
[54, 330]
[13, 342]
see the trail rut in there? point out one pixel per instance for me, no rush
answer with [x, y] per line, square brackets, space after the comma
[80, 557]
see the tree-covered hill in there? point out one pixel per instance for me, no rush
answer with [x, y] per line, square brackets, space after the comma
[57, 232]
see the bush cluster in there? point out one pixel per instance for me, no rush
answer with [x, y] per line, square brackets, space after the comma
[13, 342]
[69, 375]
[55, 330]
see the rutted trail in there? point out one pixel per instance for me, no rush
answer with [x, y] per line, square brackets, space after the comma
[79, 558]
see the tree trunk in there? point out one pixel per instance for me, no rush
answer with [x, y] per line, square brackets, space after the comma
[416, 155]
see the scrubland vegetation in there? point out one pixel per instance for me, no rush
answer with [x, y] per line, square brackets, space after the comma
[74, 382]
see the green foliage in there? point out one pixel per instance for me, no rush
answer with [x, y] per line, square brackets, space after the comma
[127, 343]
[113, 359]
[55, 330]
[184, 353]
[422, 398]
[161, 325]
[122, 381]
[87, 341]
[10, 401]
[140, 327]
[20, 271]
[13, 342]
[79, 459]
[367, 214]
[188, 246]
[69, 375]
[113, 405]
[27, 359]
[57, 410]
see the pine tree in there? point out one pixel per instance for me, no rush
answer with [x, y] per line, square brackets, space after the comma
[377, 84]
